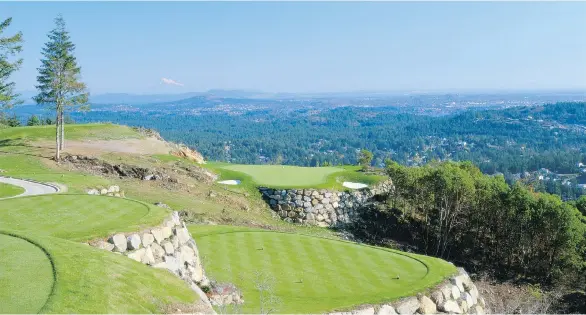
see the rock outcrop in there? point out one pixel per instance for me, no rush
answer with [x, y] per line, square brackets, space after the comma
[321, 207]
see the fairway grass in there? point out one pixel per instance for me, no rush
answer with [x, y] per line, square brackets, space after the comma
[310, 274]
[26, 276]
[77, 217]
[87, 281]
[7, 190]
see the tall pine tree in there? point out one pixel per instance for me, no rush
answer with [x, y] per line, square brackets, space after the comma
[59, 80]
[9, 48]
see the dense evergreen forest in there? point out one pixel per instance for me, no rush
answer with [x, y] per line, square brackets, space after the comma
[511, 140]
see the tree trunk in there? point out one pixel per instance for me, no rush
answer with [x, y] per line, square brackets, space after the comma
[62, 143]
[57, 140]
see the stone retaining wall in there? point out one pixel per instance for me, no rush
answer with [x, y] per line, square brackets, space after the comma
[458, 295]
[168, 246]
[321, 207]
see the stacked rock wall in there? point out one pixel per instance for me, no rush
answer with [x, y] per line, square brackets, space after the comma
[321, 207]
[459, 295]
[169, 246]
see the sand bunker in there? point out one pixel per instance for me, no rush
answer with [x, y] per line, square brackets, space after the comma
[230, 182]
[354, 185]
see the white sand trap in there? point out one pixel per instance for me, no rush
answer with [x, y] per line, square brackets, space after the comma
[230, 182]
[354, 185]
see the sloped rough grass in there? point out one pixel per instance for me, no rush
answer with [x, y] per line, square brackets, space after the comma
[77, 217]
[313, 275]
[90, 280]
[7, 190]
[26, 276]
[72, 132]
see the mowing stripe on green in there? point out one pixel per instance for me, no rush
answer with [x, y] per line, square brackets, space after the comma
[314, 275]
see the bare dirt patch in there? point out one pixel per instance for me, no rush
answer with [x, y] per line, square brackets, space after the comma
[97, 147]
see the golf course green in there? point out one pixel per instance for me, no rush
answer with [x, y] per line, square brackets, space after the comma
[287, 176]
[312, 275]
[7, 190]
[76, 217]
[26, 276]
[275, 175]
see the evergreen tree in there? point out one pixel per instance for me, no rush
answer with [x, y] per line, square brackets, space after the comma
[59, 80]
[13, 121]
[9, 47]
[365, 158]
[33, 121]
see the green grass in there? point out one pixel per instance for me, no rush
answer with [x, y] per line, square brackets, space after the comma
[26, 276]
[90, 280]
[285, 176]
[77, 217]
[72, 132]
[7, 190]
[313, 275]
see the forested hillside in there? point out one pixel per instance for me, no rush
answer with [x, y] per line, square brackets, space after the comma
[510, 140]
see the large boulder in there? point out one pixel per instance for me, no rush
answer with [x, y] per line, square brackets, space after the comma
[158, 251]
[407, 306]
[147, 239]
[119, 242]
[137, 255]
[426, 306]
[437, 297]
[364, 311]
[446, 290]
[182, 235]
[457, 281]
[186, 256]
[167, 232]
[148, 258]
[450, 307]
[133, 241]
[168, 247]
[455, 292]
[172, 263]
[468, 298]
[386, 309]
[105, 245]
[158, 235]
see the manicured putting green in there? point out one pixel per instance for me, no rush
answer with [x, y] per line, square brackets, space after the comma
[26, 276]
[310, 274]
[7, 190]
[283, 175]
[74, 217]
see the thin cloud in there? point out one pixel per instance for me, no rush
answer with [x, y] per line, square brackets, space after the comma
[171, 82]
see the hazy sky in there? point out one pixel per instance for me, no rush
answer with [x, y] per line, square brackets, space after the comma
[311, 47]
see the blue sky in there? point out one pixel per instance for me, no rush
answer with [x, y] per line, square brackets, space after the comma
[312, 47]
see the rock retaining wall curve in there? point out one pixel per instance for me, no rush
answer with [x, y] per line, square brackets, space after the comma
[321, 207]
[169, 246]
[458, 295]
